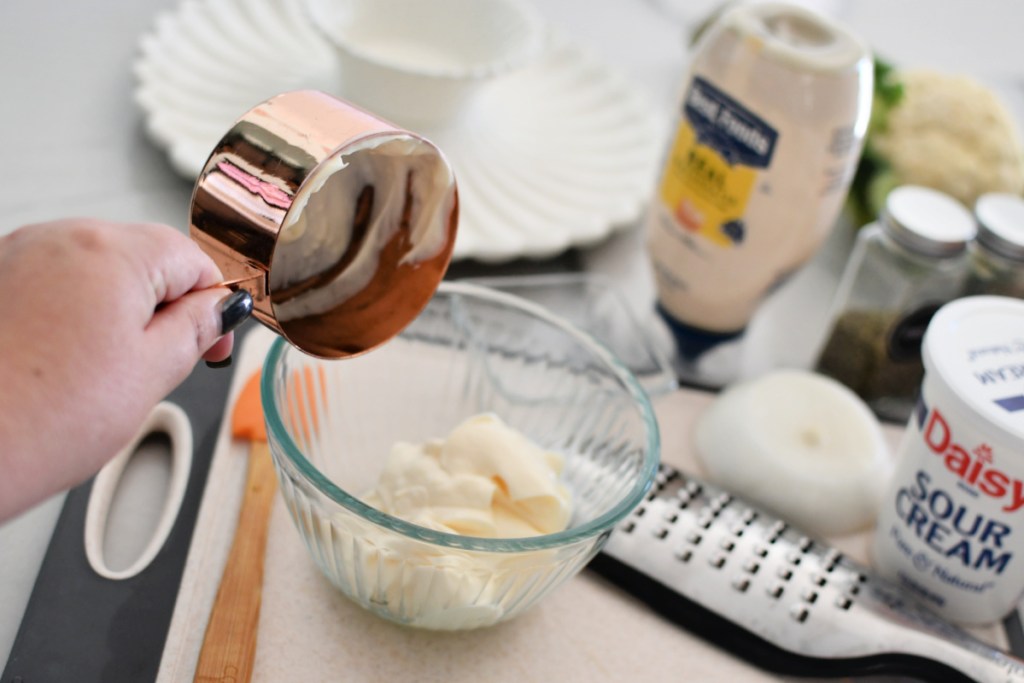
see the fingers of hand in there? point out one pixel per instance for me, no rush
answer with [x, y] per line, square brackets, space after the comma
[174, 263]
[187, 329]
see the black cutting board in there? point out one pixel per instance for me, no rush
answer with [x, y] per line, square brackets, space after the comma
[81, 627]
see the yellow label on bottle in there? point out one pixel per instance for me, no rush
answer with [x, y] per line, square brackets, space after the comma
[713, 164]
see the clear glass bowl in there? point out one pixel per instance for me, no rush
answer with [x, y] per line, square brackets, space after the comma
[331, 425]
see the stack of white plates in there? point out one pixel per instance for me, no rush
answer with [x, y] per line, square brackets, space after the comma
[555, 155]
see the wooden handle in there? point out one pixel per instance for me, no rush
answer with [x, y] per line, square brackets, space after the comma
[229, 646]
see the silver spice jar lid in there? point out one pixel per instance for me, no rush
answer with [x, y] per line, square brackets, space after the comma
[1001, 223]
[927, 221]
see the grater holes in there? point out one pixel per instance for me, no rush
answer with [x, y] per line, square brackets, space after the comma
[831, 559]
[666, 474]
[704, 519]
[775, 531]
[799, 613]
[719, 503]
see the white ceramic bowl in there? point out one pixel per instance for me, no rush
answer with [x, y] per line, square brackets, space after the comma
[418, 61]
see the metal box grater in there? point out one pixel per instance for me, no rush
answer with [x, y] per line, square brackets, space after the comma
[751, 584]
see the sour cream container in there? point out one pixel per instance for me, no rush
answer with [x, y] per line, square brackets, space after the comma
[951, 526]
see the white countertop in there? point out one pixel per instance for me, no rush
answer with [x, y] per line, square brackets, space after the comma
[73, 144]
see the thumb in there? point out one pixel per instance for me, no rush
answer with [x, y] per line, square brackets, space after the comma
[182, 331]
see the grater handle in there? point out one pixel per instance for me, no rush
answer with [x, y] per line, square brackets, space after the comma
[921, 632]
[950, 662]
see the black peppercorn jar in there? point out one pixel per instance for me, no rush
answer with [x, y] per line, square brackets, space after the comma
[903, 267]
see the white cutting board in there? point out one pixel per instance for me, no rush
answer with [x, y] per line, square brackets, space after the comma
[586, 631]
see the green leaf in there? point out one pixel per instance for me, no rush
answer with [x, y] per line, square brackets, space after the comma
[887, 95]
[874, 178]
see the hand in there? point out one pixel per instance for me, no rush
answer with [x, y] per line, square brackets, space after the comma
[98, 322]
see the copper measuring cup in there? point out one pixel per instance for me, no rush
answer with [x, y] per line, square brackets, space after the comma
[338, 224]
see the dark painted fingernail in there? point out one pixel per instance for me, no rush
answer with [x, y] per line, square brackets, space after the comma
[226, 363]
[234, 309]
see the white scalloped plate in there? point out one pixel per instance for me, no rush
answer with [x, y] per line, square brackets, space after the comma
[559, 154]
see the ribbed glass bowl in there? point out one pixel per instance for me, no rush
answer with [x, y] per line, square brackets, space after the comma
[331, 425]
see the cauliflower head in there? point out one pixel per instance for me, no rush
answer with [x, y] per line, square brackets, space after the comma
[948, 132]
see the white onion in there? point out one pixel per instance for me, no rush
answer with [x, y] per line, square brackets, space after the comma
[802, 446]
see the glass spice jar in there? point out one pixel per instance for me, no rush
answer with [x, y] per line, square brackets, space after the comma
[997, 254]
[902, 269]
